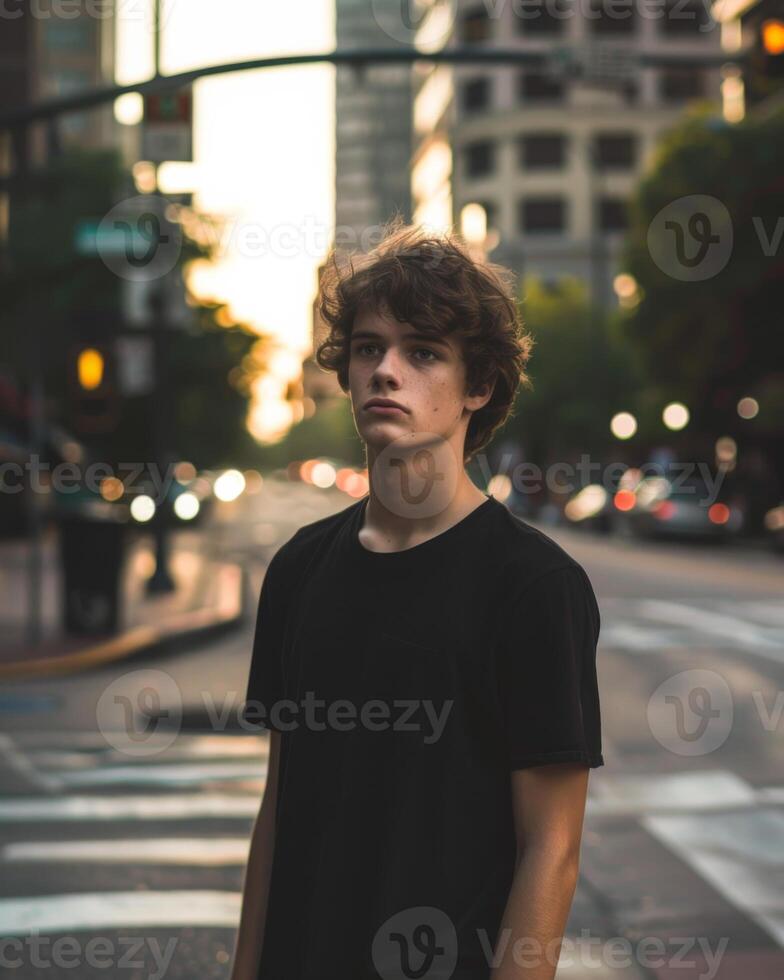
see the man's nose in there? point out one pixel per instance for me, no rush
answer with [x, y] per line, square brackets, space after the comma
[389, 365]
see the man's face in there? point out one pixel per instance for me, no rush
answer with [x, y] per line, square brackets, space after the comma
[425, 376]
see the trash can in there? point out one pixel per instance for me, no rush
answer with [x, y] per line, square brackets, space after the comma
[92, 544]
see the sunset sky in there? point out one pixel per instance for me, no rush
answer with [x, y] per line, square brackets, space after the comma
[264, 156]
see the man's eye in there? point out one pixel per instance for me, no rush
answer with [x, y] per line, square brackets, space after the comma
[362, 348]
[426, 350]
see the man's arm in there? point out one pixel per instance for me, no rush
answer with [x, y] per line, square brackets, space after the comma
[549, 807]
[250, 936]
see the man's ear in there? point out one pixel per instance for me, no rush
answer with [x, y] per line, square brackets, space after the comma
[479, 396]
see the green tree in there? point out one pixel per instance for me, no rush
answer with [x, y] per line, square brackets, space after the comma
[582, 370]
[710, 341]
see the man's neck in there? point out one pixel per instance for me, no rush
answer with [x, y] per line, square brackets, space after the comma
[394, 523]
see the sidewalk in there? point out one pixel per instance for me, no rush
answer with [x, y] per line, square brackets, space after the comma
[211, 596]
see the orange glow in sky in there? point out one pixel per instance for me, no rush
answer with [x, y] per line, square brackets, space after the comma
[264, 159]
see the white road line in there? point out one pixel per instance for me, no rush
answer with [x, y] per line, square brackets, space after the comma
[202, 851]
[635, 638]
[211, 748]
[198, 743]
[740, 854]
[169, 775]
[770, 611]
[175, 806]
[707, 789]
[118, 910]
[713, 623]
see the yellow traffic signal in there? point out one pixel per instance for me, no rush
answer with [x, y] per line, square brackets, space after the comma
[90, 368]
[773, 36]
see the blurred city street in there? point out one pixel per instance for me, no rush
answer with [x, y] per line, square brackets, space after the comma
[680, 829]
[198, 203]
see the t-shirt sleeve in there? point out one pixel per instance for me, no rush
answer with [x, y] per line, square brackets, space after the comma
[546, 671]
[266, 688]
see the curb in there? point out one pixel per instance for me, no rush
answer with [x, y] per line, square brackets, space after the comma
[192, 627]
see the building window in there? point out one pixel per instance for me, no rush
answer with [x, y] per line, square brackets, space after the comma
[542, 215]
[542, 18]
[476, 95]
[609, 18]
[475, 26]
[678, 84]
[540, 151]
[616, 151]
[613, 214]
[68, 35]
[537, 87]
[480, 158]
[683, 18]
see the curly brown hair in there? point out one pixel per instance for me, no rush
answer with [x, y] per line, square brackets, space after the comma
[432, 282]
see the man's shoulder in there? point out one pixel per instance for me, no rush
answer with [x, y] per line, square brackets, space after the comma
[307, 540]
[525, 553]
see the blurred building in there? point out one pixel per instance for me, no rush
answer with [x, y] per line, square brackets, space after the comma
[373, 126]
[47, 50]
[552, 153]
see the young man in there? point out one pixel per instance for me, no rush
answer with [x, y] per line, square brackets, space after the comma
[425, 661]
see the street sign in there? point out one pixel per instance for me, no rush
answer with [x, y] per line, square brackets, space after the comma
[135, 365]
[92, 237]
[167, 131]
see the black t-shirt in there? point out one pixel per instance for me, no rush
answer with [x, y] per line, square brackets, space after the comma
[455, 662]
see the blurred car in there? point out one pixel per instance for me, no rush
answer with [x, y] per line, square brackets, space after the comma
[674, 507]
[183, 504]
[774, 526]
[591, 507]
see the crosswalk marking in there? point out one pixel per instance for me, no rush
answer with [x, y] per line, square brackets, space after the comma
[741, 854]
[656, 625]
[108, 910]
[168, 775]
[175, 806]
[700, 790]
[208, 851]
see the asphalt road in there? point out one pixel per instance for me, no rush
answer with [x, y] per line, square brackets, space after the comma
[142, 843]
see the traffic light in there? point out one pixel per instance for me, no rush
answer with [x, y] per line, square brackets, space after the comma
[772, 38]
[92, 389]
[764, 75]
